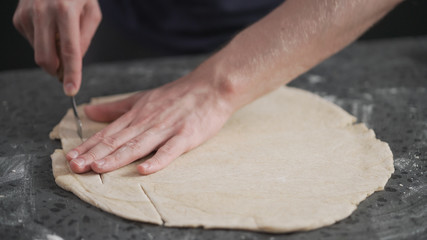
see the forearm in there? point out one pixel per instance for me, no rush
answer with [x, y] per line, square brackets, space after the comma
[286, 43]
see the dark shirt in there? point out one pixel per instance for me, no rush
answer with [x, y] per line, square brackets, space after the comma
[185, 26]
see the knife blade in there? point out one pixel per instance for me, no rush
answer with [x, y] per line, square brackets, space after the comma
[77, 118]
[60, 74]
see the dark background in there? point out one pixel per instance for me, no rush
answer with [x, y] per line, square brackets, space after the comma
[407, 19]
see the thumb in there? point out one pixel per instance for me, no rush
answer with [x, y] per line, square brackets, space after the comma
[108, 112]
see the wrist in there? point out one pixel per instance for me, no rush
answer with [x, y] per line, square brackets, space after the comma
[222, 78]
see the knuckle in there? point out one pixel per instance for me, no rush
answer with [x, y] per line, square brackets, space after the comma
[37, 6]
[21, 17]
[97, 16]
[151, 132]
[16, 20]
[112, 161]
[24, 20]
[99, 136]
[187, 130]
[91, 156]
[149, 107]
[133, 144]
[167, 150]
[110, 142]
[155, 160]
[45, 62]
[69, 49]
[159, 126]
[40, 59]
[62, 7]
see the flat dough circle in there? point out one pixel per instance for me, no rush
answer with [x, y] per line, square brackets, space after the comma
[288, 161]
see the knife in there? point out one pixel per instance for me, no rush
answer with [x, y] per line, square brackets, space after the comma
[60, 74]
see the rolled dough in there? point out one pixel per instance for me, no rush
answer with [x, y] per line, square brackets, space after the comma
[288, 161]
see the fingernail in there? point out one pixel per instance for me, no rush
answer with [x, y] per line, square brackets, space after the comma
[69, 88]
[73, 154]
[100, 162]
[79, 161]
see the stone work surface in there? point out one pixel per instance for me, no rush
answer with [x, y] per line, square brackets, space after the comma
[382, 83]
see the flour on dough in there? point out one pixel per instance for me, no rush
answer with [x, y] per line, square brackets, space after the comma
[288, 161]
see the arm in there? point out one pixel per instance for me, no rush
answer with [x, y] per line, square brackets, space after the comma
[183, 114]
[289, 41]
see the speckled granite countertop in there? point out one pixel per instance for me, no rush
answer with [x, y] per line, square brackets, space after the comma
[383, 83]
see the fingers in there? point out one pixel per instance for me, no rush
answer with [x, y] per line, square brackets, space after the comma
[17, 19]
[103, 148]
[22, 20]
[171, 150]
[45, 54]
[133, 150]
[69, 32]
[112, 129]
[108, 112]
[76, 22]
[89, 22]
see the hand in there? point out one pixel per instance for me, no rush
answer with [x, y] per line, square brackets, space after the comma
[171, 119]
[76, 21]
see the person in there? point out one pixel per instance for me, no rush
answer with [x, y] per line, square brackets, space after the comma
[177, 117]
